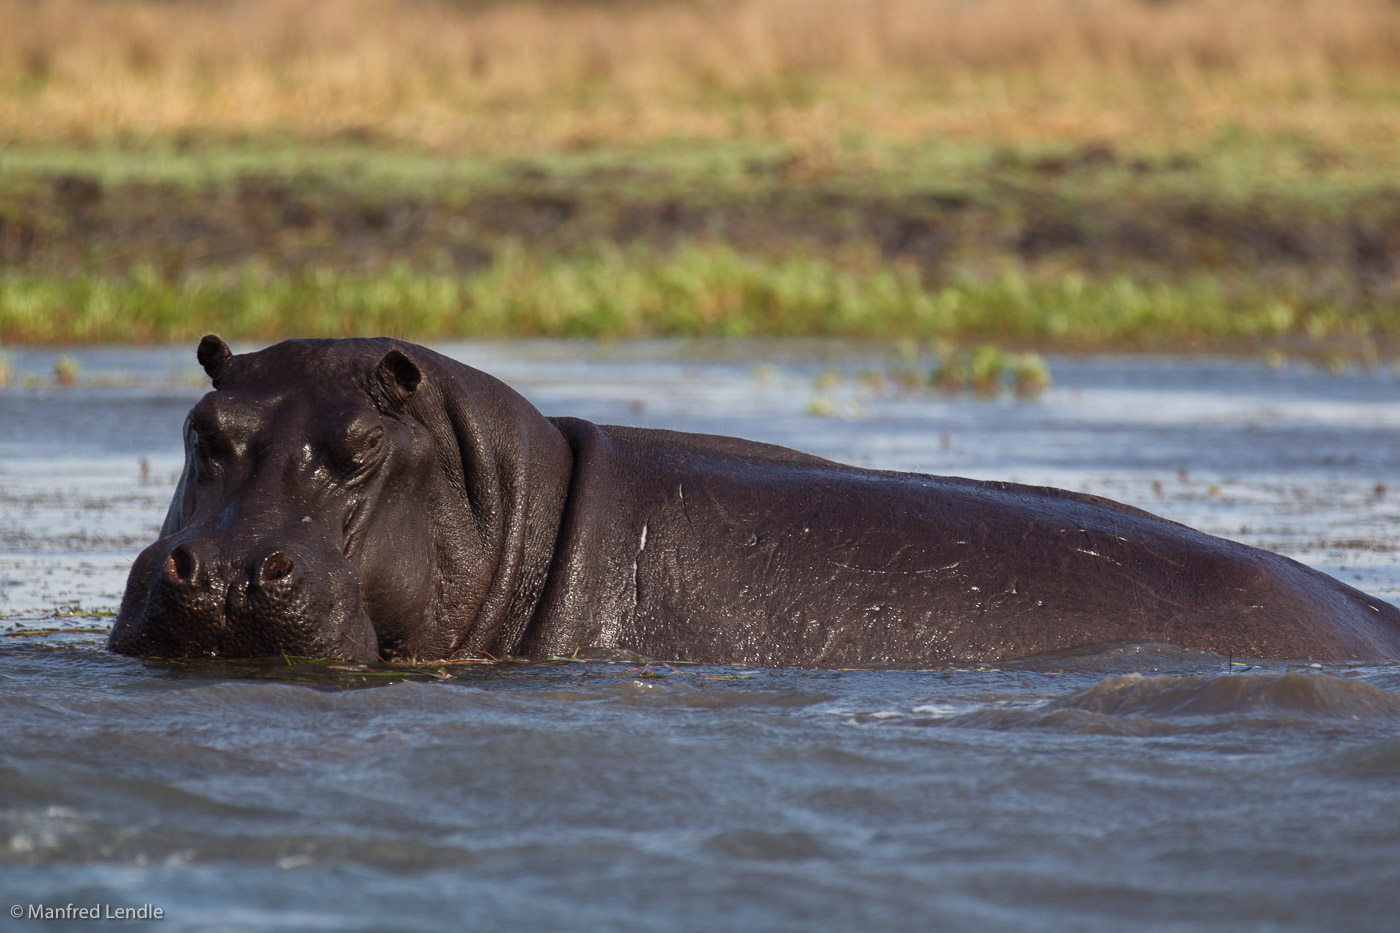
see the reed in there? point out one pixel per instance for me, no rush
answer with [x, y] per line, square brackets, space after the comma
[513, 77]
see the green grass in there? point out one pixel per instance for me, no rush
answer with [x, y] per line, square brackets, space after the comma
[1231, 165]
[698, 290]
[381, 169]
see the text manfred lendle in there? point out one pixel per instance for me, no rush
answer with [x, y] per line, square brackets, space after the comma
[95, 912]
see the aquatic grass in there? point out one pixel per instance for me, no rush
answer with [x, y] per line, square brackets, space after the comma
[65, 371]
[699, 290]
[985, 369]
[74, 611]
[1030, 375]
[41, 632]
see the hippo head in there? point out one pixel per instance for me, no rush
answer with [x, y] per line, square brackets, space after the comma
[346, 499]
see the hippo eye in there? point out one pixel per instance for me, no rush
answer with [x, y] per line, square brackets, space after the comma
[361, 447]
[206, 443]
[371, 444]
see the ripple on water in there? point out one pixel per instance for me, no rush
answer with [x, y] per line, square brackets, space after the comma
[763, 845]
[1135, 704]
[718, 696]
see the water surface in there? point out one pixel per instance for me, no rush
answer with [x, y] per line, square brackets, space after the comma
[1135, 786]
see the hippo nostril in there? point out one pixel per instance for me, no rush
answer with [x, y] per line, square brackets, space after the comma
[275, 566]
[180, 565]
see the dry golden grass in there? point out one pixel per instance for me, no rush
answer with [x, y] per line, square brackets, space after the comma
[499, 77]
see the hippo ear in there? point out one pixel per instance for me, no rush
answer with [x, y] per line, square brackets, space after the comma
[399, 376]
[212, 353]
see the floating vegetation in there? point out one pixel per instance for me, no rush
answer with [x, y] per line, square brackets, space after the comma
[65, 371]
[984, 370]
[987, 370]
[824, 406]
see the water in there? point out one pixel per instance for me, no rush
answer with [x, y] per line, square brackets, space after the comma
[1138, 787]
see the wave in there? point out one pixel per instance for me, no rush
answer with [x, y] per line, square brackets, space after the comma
[1163, 703]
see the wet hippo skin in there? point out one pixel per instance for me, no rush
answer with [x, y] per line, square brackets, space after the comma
[370, 498]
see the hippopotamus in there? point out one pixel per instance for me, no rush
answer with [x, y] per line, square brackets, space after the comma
[369, 499]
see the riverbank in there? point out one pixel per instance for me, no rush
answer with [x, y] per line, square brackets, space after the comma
[1237, 243]
[1203, 175]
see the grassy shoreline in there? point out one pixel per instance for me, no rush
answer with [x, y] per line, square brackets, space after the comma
[696, 292]
[1233, 243]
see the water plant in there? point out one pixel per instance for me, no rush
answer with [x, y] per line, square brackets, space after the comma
[65, 371]
[1030, 376]
[987, 370]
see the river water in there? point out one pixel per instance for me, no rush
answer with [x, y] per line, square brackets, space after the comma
[1134, 787]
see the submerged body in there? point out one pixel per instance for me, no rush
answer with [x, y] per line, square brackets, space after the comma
[370, 498]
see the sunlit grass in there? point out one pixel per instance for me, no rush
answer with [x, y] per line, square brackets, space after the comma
[520, 77]
[698, 290]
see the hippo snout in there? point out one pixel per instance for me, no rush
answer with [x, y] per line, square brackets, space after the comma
[196, 596]
[274, 568]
